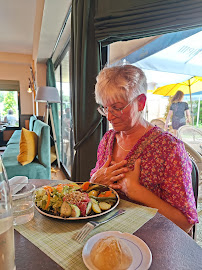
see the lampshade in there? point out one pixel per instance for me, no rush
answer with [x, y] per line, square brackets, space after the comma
[47, 94]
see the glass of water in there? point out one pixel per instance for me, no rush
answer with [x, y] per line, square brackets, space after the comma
[7, 249]
[23, 202]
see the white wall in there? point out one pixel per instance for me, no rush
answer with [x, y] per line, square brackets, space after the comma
[156, 105]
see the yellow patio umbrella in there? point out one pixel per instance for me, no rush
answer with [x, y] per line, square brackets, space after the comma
[190, 86]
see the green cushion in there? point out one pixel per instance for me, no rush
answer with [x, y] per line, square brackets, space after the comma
[43, 132]
[32, 119]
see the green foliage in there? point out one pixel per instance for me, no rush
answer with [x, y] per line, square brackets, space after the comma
[1, 97]
[195, 111]
[66, 99]
[9, 102]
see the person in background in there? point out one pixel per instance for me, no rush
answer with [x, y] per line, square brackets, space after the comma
[66, 123]
[177, 111]
[162, 175]
[10, 118]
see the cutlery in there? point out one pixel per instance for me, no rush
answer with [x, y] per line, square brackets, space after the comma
[88, 227]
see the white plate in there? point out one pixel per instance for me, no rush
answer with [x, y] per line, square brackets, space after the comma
[142, 256]
[81, 218]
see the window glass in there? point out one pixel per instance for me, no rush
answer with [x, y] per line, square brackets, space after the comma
[9, 109]
[63, 85]
[169, 62]
[66, 117]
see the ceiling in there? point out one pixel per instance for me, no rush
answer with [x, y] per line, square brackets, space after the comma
[31, 27]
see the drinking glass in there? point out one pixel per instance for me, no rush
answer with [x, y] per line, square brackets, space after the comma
[23, 202]
[7, 250]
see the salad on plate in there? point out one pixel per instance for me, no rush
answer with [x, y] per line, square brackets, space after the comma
[75, 200]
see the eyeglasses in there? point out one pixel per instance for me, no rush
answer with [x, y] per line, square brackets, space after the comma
[115, 111]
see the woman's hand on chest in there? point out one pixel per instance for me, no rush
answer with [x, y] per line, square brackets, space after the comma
[110, 172]
[130, 183]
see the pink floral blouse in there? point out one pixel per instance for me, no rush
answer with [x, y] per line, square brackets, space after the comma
[165, 167]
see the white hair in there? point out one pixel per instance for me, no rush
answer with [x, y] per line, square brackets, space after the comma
[117, 82]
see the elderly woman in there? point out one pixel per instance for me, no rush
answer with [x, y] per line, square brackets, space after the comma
[162, 175]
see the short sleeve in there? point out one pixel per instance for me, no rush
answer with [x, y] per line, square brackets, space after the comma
[177, 185]
[186, 106]
[171, 107]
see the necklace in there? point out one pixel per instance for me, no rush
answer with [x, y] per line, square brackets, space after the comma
[122, 148]
[141, 136]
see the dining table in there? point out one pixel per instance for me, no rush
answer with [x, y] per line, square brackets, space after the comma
[170, 246]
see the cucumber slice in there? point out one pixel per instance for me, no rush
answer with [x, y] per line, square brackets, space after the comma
[88, 208]
[93, 200]
[75, 211]
[65, 210]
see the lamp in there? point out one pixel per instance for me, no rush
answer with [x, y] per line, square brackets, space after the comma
[49, 95]
[29, 90]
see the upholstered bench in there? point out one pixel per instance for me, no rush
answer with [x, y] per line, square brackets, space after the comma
[40, 167]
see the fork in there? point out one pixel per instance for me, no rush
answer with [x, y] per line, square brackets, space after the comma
[88, 227]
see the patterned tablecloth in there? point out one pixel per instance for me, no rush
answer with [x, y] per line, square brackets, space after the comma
[55, 237]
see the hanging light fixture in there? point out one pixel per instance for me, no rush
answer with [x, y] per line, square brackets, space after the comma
[29, 90]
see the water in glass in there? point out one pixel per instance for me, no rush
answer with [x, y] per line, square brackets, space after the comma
[23, 204]
[7, 250]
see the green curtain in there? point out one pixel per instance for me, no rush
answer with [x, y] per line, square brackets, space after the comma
[50, 81]
[117, 20]
[84, 68]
